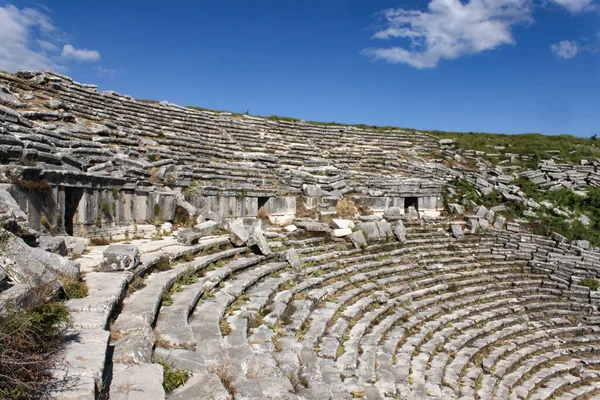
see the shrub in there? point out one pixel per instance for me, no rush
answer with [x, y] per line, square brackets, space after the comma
[173, 377]
[345, 209]
[41, 186]
[182, 218]
[593, 284]
[163, 263]
[29, 340]
[74, 289]
[263, 215]
[99, 241]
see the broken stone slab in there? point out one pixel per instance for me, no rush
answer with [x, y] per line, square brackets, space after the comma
[358, 240]
[393, 214]
[481, 211]
[313, 191]
[11, 215]
[457, 231]
[290, 228]
[312, 226]
[400, 232]
[456, 208]
[238, 235]
[342, 223]
[558, 237]
[74, 245]
[257, 242]
[584, 244]
[135, 348]
[385, 229]
[188, 236]
[499, 222]
[119, 257]
[291, 256]
[24, 264]
[206, 228]
[53, 244]
[370, 230]
[341, 232]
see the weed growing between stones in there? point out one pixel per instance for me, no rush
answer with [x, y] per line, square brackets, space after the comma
[593, 284]
[74, 289]
[29, 341]
[173, 377]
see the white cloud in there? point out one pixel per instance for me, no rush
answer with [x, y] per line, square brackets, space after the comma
[575, 6]
[566, 49]
[29, 40]
[71, 53]
[449, 29]
[105, 71]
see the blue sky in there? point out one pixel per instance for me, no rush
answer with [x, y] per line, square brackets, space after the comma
[505, 66]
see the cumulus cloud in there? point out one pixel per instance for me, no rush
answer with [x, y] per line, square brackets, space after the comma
[29, 40]
[575, 6]
[566, 49]
[449, 29]
[71, 53]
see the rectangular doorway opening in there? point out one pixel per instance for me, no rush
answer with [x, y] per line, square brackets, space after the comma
[72, 198]
[411, 202]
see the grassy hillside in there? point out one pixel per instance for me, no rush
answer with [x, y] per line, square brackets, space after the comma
[570, 148]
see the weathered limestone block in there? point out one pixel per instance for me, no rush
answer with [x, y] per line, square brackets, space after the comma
[74, 245]
[341, 232]
[412, 214]
[119, 257]
[400, 232]
[393, 214]
[312, 226]
[457, 231]
[370, 230]
[135, 348]
[499, 222]
[258, 243]
[35, 267]
[206, 228]
[11, 215]
[291, 256]
[53, 244]
[313, 191]
[342, 223]
[238, 235]
[385, 229]
[188, 236]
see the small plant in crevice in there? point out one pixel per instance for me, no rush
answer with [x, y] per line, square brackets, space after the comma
[591, 283]
[173, 377]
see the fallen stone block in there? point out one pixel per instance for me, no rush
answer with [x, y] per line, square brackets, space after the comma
[206, 228]
[188, 236]
[385, 229]
[358, 240]
[393, 214]
[75, 245]
[341, 232]
[400, 232]
[457, 231]
[119, 257]
[53, 244]
[370, 230]
[257, 242]
[291, 256]
[342, 223]
[238, 235]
